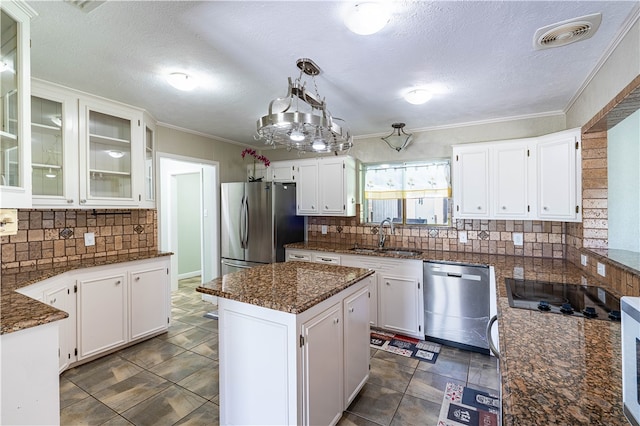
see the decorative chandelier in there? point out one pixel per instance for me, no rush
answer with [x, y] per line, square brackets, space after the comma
[398, 139]
[301, 120]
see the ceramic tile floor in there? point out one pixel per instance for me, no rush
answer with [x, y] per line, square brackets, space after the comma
[172, 379]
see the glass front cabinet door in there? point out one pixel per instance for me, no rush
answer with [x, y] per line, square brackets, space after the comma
[54, 152]
[111, 155]
[15, 149]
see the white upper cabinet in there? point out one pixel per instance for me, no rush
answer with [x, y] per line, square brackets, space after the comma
[15, 133]
[282, 171]
[533, 179]
[559, 184]
[326, 186]
[111, 162]
[149, 151]
[471, 181]
[54, 146]
[89, 152]
[512, 179]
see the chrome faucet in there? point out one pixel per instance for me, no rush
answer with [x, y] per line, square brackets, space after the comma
[383, 237]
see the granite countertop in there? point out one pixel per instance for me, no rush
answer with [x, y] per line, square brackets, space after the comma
[289, 287]
[18, 312]
[554, 369]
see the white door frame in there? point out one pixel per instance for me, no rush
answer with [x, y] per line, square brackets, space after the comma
[167, 165]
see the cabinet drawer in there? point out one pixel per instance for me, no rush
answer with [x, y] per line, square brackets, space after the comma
[298, 256]
[326, 258]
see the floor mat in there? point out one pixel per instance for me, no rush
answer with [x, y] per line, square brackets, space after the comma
[405, 346]
[470, 407]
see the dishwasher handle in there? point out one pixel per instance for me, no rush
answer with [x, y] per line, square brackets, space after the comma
[492, 345]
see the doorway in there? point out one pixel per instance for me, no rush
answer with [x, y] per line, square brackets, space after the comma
[188, 216]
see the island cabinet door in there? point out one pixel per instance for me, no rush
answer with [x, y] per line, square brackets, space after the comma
[356, 342]
[323, 367]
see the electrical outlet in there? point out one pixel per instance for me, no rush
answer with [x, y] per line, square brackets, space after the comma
[601, 269]
[324, 229]
[462, 237]
[584, 259]
[89, 239]
[8, 222]
[518, 238]
[518, 273]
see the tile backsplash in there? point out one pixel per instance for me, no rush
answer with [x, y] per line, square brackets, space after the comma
[54, 236]
[540, 239]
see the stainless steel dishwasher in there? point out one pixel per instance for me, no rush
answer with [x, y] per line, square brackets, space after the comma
[457, 304]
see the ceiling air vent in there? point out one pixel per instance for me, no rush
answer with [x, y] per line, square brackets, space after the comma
[566, 32]
[85, 5]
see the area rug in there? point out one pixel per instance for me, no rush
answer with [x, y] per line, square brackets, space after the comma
[405, 346]
[469, 407]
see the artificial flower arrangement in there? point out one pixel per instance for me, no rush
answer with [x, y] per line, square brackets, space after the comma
[252, 152]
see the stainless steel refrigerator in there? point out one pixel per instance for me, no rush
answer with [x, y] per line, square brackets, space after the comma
[257, 220]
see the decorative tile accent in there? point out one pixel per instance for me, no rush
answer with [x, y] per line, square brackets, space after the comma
[433, 233]
[483, 235]
[139, 229]
[339, 229]
[374, 230]
[66, 233]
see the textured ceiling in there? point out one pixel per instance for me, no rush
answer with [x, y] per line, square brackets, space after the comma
[477, 55]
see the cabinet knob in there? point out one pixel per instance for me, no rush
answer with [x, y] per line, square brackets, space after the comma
[336, 321]
[326, 207]
[83, 201]
[479, 207]
[118, 282]
[70, 201]
[545, 208]
[504, 207]
[313, 207]
[351, 309]
[137, 278]
[387, 283]
[51, 302]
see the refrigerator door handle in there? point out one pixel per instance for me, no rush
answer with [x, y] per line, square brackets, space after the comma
[242, 228]
[246, 222]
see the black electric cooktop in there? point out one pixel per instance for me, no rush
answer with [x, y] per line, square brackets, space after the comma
[589, 302]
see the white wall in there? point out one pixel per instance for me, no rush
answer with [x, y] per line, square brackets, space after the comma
[189, 226]
[623, 155]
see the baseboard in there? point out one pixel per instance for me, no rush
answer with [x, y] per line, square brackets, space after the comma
[189, 275]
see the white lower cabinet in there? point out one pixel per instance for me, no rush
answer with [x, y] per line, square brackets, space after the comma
[293, 369]
[59, 292]
[109, 306]
[102, 314]
[147, 295]
[397, 293]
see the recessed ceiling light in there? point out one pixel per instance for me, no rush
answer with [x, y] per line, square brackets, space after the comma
[367, 18]
[182, 81]
[418, 96]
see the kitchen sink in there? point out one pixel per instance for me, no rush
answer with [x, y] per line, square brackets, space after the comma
[395, 251]
[400, 252]
[364, 250]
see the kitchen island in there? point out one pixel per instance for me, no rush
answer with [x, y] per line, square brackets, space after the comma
[293, 342]
[554, 369]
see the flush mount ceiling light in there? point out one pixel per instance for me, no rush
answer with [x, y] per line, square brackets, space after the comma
[367, 18]
[182, 81]
[301, 120]
[417, 96]
[566, 32]
[50, 174]
[398, 139]
[115, 154]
